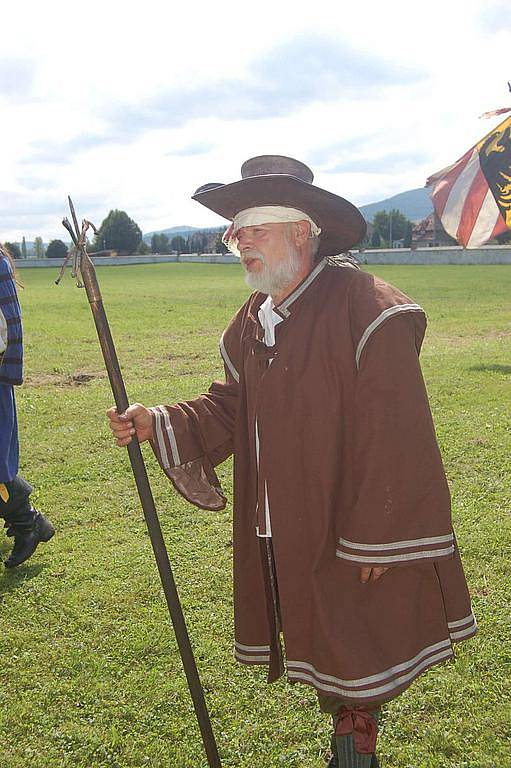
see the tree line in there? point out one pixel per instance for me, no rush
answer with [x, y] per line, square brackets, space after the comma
[118, 232]
[389, 226]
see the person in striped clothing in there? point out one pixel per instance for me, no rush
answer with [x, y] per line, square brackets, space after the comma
[23, 522]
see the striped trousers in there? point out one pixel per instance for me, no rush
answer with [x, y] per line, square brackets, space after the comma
[344, 753]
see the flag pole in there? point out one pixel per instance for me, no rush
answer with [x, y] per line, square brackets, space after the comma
[82, 265]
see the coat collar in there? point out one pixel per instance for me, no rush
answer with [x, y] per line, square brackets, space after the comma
[284, 308]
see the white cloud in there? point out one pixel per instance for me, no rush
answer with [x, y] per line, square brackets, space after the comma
[134, 106]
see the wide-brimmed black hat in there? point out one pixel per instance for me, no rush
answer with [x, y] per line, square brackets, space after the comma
[279, 180]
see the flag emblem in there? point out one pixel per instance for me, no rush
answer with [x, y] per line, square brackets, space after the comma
[472, 197]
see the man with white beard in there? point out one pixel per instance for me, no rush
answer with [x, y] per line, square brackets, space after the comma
[343, 542]
[279, 270]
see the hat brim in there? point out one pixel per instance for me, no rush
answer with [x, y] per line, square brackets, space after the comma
[342, 225]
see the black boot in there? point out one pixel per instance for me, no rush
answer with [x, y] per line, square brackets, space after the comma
[27, 537]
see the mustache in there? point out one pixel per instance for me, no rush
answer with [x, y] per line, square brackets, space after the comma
[251, 256]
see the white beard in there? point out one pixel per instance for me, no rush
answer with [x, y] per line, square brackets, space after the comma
[274, 280]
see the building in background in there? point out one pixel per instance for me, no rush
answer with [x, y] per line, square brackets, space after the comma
[429, 233]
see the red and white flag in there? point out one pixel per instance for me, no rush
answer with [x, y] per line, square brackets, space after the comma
[496, 112]
[472, 197]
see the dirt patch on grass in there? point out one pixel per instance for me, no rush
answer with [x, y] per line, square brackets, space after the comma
[469, 339]
[63, 379]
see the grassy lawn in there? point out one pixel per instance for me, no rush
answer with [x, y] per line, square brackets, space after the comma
[90, 674]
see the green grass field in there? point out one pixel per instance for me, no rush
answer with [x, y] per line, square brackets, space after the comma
[90, 675]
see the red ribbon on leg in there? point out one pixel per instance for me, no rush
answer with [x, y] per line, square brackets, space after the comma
[362, 725]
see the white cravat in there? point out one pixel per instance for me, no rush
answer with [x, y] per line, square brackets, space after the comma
[268, 319]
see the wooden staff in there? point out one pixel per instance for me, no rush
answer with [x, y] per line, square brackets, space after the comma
[82, 265]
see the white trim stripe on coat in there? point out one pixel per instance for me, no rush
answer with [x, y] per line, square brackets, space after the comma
[470, 619]
[425, 553]
[252, 648]
[397, 544]
[252, 659]
[462, 634]
[252, 654]
[462, 628]
[381, 690]
[283, 308]
[160, 442]
[389, 312]
[379, 676]
[162, 422]
[227, 360]
[172, 437]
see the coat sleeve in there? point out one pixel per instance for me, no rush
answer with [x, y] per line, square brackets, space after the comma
[400, 511]
[11, 336]
[193, 437]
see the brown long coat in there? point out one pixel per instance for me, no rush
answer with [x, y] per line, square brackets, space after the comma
[354, 477]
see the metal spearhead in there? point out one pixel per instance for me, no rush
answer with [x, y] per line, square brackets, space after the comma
[79, 247]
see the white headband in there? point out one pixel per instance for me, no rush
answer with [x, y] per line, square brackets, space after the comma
[264, 214]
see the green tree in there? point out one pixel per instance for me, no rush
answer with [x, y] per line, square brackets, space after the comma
[408, 235]
[220, 247]
[118, 233]
[391, 225]
[178, 244]
[160, 243]
[57, 249]
[39, 248]
[23, 248]
[198, 242]
[14, 250]
[143, 248]
[375, 239]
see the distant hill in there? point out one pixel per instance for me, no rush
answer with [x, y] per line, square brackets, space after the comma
[414, 204]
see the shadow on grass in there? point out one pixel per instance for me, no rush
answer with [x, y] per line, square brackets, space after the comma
[494, 368]
[12, 579]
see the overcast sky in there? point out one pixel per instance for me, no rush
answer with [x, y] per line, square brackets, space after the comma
[135, 105]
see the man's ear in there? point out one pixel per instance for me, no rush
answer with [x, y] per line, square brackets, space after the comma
[302, 232]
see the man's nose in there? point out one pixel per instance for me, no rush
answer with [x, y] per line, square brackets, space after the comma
[244, 240]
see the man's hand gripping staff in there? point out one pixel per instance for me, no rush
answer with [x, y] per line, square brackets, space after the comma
[132, 423]
[136, 421]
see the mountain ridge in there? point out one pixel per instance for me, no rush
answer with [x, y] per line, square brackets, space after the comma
[415, 204]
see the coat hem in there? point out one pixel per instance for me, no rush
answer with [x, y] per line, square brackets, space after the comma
[262, 661]
[363, 697]
[462, 629]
